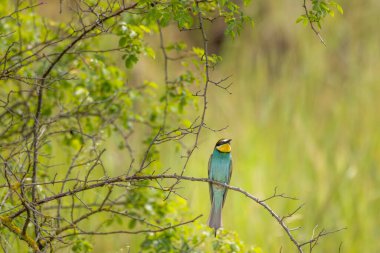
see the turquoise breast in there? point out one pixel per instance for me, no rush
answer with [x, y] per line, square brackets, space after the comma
[220, 166]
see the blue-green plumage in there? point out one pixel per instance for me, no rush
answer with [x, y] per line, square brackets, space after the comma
[220, 169]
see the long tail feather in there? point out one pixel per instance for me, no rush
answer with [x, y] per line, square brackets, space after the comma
[215, 220]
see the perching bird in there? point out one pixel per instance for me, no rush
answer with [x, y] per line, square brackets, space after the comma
[219, 169]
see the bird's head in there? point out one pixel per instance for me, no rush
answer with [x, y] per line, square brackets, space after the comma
[223, 145]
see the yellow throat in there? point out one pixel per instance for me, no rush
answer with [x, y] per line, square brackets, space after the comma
[225, 148]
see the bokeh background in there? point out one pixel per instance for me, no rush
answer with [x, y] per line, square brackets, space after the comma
[303, 118]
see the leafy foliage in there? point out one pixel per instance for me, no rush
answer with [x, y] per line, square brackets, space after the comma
[319, 10]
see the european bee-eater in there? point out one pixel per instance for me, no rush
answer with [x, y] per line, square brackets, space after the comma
[219, 169]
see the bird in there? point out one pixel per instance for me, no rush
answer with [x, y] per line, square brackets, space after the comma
[219, 169]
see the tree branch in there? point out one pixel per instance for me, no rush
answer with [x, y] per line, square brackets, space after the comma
[40, 87]
[312, 24]
[110, 181]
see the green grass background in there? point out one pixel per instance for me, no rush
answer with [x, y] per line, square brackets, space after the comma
[305, 118]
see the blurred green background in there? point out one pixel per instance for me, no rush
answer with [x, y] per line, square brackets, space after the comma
[304, 118]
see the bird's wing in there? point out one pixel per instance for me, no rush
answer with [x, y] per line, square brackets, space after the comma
[229, 176]
[228, 182]
[209, 176]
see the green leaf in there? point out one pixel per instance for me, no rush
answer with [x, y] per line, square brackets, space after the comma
[122, 41]
[130, 61]
[302, 19]
[81, 245]
[339, 8]
[150, 52]
[132, 224]
[199, 51]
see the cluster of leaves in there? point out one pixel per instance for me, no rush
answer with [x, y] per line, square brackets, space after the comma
[81, 245]
[319, 10]
[195, 238]
[184, 13]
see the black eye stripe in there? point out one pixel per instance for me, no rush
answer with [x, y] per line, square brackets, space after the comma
[223, 141]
